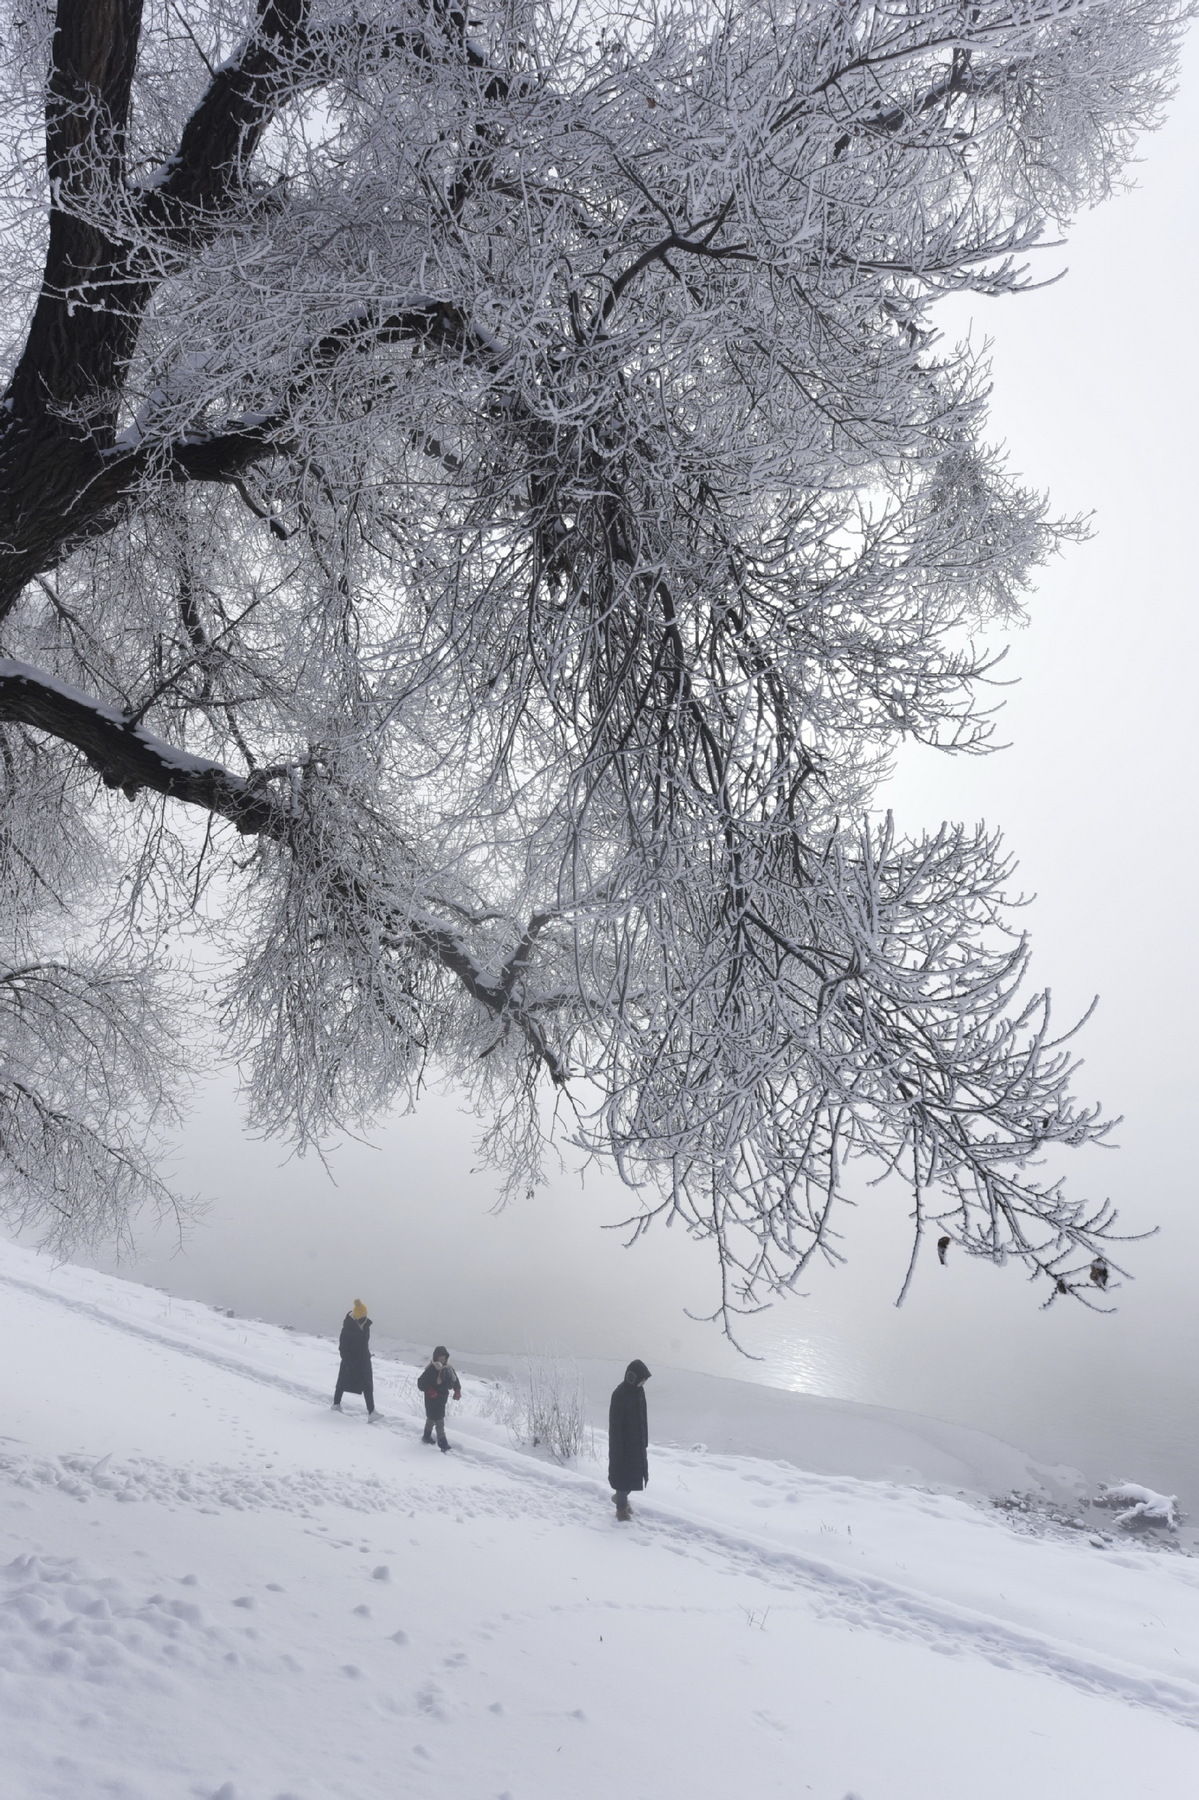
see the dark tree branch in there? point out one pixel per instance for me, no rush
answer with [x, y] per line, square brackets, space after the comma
[127, 756]
[57, 423]
[959, 82]
[692, 245]
[79, 334]
[225, 455]
[204, 176]
[59, 489]
[62, 475]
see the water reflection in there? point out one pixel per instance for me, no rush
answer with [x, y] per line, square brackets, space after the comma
[803, 1364]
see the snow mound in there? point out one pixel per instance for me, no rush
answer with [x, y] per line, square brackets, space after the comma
[1139, 1505]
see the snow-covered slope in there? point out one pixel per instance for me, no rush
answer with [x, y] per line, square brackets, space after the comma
[212, 1586]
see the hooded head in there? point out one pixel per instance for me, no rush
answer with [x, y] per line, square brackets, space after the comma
[358, 1310]
[440, 1353]
[636, 1374]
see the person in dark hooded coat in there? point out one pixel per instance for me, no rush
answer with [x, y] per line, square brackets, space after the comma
[355, 1375]
[628, 1438]
[437, 1381]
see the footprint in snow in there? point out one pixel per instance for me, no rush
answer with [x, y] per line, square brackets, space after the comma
[429, 1701]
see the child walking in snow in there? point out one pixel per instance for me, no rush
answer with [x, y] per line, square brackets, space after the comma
[436, 1382]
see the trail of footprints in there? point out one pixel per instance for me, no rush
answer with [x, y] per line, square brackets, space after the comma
[836, 1593]
[93, 1633]
[209, 1488]
[89, 1628]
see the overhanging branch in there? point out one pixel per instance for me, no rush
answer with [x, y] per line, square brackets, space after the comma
[127, 756]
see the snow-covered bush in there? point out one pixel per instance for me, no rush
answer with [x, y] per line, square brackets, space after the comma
[1138, 1505]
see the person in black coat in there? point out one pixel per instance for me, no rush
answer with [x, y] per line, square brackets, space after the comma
[355, 1375]
[628, 1438]
[437, 1381]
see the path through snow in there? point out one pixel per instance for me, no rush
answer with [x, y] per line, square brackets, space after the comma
[214, 1586]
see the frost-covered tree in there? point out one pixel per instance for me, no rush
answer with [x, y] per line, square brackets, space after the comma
[486, 497]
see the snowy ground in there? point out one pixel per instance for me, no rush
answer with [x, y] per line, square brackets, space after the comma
[213, 1588]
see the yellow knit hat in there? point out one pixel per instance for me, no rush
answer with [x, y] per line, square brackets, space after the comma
[358, 1310]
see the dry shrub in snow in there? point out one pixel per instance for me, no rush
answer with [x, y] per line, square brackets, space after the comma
[544, 1406]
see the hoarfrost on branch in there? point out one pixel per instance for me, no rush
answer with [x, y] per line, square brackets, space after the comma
[486, 497]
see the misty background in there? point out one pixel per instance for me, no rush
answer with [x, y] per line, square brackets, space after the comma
[1095, 397]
